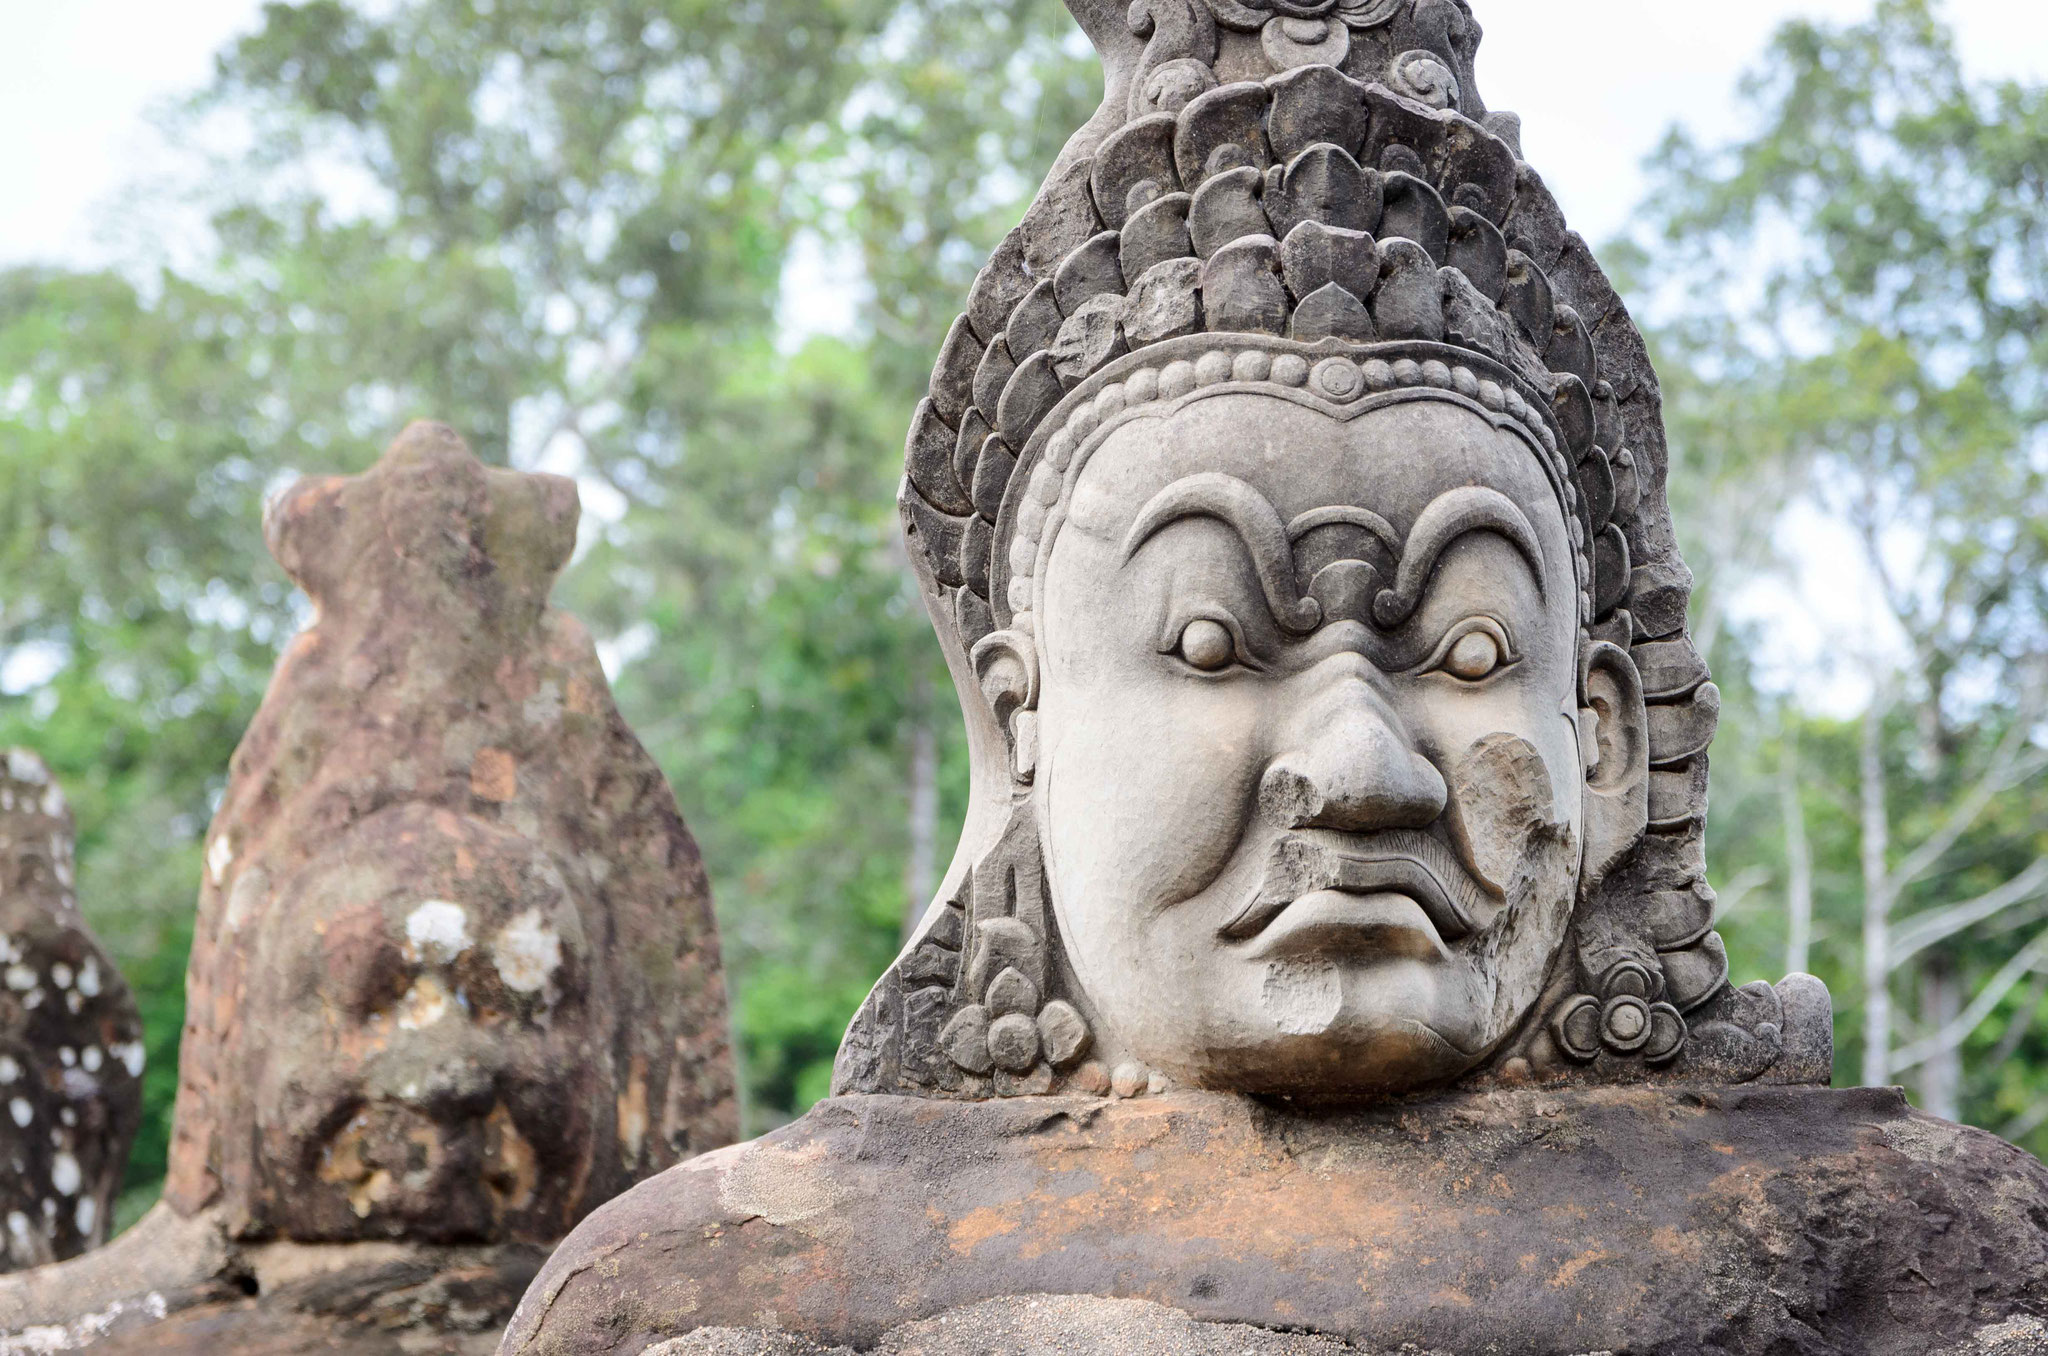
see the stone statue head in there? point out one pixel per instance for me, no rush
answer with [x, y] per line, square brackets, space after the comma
[456, 974]
[1289, 502]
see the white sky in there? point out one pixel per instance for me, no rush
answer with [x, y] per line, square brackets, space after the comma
[1596, 82]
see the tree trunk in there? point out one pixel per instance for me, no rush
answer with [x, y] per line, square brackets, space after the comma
[1798, 861]
[920, 863]
[1877, 904]
[1941, 1077]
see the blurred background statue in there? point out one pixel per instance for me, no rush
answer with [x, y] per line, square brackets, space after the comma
[456, 979]
[71, 1054]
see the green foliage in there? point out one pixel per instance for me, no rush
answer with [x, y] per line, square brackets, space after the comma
[1856, 306]
[566, 229]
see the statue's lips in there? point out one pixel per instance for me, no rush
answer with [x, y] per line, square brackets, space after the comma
[1381, 924]
[1405, 863]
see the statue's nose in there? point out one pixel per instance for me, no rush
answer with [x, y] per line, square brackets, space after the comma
[1355, 769]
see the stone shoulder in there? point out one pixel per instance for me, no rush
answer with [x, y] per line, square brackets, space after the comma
[1790, 1220]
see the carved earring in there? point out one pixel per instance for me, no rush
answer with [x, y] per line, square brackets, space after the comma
[1006, 664]
[1024, 746]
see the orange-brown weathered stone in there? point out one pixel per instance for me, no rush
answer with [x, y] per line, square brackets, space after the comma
[451, 919]
[1652, 1220]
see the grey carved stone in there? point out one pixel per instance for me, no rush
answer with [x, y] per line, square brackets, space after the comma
[1314, 751]
[1336, 743]
[71, 1052]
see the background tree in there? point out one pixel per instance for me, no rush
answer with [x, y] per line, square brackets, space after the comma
[1857, 344]
[577, 233]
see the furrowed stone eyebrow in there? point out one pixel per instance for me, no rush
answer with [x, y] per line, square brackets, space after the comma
[1348, 516]
[1270, 543]
[1451, 515]
[1231, 501]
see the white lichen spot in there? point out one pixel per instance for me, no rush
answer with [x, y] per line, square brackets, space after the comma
[19, 1241]
[53, 801]
[436, 932]
[69, 1117]
[67, 1056]
[86, 1215]
[424, 1004]
[250, 890]
[9, 1070]
[22, 1112]
[24, 766]
[545, 706]
[219, 857]
[60, 975]
[89, 978]
[65, 1175]
[527, 953]
[90, 1058]
[74, 1002]
[132, 1057]
[20, 978]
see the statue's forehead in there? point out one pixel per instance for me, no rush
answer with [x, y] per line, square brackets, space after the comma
[1394, 460]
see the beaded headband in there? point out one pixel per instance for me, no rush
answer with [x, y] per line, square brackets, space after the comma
[1338, 379]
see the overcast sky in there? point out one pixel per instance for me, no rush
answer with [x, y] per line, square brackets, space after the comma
[1596, 82]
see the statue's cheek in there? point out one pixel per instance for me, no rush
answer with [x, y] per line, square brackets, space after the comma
[1501, 792]
[1150, 801]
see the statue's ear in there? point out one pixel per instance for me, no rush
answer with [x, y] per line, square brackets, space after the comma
[1006, 667]
[1614, 745]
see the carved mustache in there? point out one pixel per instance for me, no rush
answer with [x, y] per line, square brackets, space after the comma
[1402, 861]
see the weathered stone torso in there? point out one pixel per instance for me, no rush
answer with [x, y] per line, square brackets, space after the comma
[1537, 1222]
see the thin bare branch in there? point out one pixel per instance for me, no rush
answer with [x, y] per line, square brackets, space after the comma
[2030, 1004]
[2027, 1122]
[1982, 1006]
[1923, 930]
[2005, 770]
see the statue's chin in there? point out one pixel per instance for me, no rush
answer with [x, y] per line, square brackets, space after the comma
[1323, 1026]
[1371, 1055]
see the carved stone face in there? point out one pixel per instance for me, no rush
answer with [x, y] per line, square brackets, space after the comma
[1325, 845]
[428, 1065]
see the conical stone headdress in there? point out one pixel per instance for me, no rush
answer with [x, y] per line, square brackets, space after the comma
[1310, 193]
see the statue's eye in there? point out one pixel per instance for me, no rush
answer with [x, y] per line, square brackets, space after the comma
[1479, 649]
[1207, 645]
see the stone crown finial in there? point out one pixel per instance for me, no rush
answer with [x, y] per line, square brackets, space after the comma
[430, 529]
